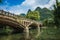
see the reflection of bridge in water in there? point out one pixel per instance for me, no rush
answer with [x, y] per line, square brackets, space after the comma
[16, 21]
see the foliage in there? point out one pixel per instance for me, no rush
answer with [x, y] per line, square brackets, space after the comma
[48, 22]
[34, 15]
[57, 14]
[29, 11]
[22, 14]
[44, 13]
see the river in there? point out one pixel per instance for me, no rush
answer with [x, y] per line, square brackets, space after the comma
[48, 33]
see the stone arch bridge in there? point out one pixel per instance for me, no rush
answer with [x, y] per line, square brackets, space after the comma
[17, 21]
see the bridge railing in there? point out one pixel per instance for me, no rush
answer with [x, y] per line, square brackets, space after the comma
[7, 14]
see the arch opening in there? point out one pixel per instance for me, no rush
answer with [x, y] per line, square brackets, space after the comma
[33, 26]
[33, 29]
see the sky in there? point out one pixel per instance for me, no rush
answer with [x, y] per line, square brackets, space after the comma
[22, 6]
[59, 0]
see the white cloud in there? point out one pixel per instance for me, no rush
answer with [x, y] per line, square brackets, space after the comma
[28, 4]
[34, 3]
[59, 0]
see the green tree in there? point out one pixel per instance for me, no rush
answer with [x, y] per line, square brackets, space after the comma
[44, 13]
[29, 11]
[22, 15]
[34, 15]
[57, 13]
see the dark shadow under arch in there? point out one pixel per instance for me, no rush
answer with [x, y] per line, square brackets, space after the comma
[33, 26]
[14, 29]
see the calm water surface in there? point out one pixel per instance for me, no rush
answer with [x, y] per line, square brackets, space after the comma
[45, 34]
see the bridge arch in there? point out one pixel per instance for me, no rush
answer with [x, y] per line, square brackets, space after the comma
[5, 20]
[9, 21]
[33, 25]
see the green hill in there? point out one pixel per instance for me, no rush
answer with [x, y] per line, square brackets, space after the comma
[44, 13]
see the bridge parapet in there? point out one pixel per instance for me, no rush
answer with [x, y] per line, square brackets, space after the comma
[4, 13]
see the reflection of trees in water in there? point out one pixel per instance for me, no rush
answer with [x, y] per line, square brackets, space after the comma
[5, 29]
[47, 34]
[10, 33]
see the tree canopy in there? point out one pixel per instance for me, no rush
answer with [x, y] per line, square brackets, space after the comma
[57, 13]
[34, 15]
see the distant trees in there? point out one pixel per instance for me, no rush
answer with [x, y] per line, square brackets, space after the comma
[56, 14]
[44, 13]
[22, 15]
[34, 15]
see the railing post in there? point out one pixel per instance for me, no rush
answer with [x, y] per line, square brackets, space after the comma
[5, 13]
[8, 14]
[0, 11]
